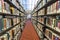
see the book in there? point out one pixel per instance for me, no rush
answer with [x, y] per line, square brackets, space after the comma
[6, 7]
[4, 37]
[44, 2]
[58, 6]
[56, 38]
[0, 5]
[47, 32]
[1, 38]
[15, 21]
[8, 23]
[48, 0]
[53, 37]
[50, 35]
[49, 10]
[39, 6]
[11, 34]
[53, 23]
[41, 3]
[42, 20]
[3, 6]
[14, 2]
[53, 8]
[49, 21]
[5, 23]
[1, 24]
[58, 24]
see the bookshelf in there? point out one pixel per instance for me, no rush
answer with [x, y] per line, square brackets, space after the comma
[10, 19]
[13, 5]
[49, 29]
[49, 16]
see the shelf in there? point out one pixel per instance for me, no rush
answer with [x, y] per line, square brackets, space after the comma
[48, 15]
[11, 4]
[56, 32]
[43, 33]
[6, 15]
[16, 33]
[5, 31]
[53, 14]
[47, 37]
[46, 5]
[38, 4]
[56, 28]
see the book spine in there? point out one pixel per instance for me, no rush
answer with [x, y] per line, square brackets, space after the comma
[5, 23]
[0, 6]
[58, 6]
[3, 6]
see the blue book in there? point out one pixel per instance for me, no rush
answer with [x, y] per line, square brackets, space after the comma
[1, 24]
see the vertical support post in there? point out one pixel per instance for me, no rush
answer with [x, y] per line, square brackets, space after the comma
[44, 28]
[36, 17]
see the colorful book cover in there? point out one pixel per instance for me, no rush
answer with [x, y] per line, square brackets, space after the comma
[58, 24]
[53, 37]
[56, 38]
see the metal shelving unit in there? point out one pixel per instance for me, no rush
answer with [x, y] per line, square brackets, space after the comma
[45, 16]
[12, 16]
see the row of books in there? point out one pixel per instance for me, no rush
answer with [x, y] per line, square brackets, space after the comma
[53, 23]
[38, 29]
[54, 8]
[50, 35]
[41, 12]
[42, 3]
[40, 19]
[34, 14]
[5, 24]
[12, 32]
[15, 3]
[6, 8]
[9, 35]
